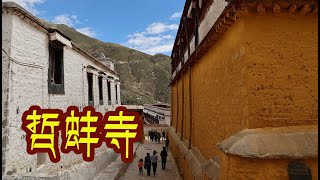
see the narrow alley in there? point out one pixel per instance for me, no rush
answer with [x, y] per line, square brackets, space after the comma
[171, 172]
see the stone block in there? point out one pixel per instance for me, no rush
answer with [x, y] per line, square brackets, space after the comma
[211, 168]
[273, 143]
[39, 176]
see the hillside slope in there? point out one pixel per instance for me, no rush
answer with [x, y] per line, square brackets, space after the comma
[144, 78]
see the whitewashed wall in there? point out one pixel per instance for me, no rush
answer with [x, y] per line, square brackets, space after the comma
[6, 43]
[28, 85]
[211, 17]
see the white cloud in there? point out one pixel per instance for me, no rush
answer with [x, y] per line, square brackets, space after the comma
[159, 49]
[29, 5]
[176, 15]
[66, 19]
[159, 27]
[150, 44]
[87, 31]
[72, 20]
[157, 37]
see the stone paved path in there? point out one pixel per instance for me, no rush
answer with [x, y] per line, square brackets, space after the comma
[171, 172]
[115, 169]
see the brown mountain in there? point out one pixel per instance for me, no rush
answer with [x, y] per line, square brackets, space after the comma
[144, 78]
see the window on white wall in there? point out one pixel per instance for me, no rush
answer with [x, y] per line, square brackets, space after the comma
[90, 89]
[55, 73]
[109, 92]
[116, 86]
[100, 91]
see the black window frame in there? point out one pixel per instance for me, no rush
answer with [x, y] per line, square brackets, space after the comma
[195, 15]
[100, 85]
[109, 91]
[56, 56]
[90, 89]
[116, 87]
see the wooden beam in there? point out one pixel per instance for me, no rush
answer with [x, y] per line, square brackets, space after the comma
[305, 9]
[228, 21]
[232, 17]
[261, 9]
[225, 26]
[276, 8]
[216, 29]
[292, 9]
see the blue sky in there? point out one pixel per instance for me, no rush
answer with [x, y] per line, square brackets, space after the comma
[146, 25]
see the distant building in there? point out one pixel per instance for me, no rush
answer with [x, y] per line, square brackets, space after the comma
[42, 66]
[157, 113]
[245, 90]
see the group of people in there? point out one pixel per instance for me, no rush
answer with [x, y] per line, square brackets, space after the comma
[156, 136]
[153, 161]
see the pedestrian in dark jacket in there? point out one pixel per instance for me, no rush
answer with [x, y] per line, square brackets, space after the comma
[167, 143]
[164, 155]
[151, 135]
[147, 163]
[155, 136]
[159, 137]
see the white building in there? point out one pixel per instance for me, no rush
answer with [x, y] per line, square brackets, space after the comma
[157, 113]
[42, 66]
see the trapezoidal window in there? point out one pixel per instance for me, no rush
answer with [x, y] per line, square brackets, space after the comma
[116, 86]
[100, 91]
[109, 92]
[55, 73]
[90, 89]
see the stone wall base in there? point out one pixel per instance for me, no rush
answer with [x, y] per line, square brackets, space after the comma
[191, 160]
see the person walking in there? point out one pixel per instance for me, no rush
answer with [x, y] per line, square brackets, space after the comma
[147, 163]
[155, 136]
[163, 135]
[151, 135]
[159, 137]
[164, 155]
[140, 165]
[167, 143]
[154, 161]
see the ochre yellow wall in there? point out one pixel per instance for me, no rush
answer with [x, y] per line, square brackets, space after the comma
[174, 105]
[261, 73]
[282, 70]
[179, 83]
[244, 168]
[218, 92]
[186, 123]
